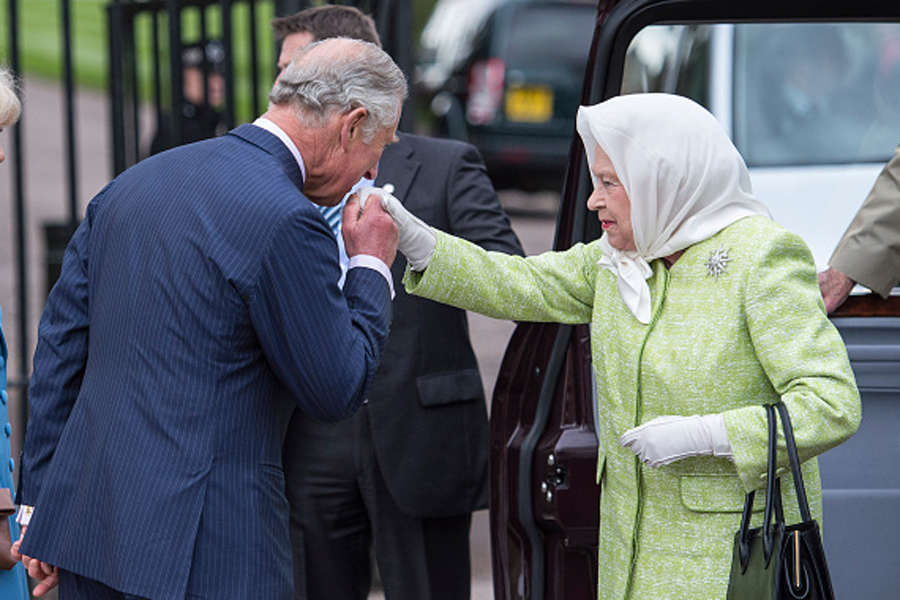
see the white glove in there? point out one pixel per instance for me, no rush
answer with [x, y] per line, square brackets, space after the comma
[664, 440]
[417, 241]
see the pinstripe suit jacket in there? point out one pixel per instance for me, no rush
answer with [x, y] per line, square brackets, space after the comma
[197, 307]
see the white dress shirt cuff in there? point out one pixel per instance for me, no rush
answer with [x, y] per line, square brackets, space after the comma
[24, 516]
[372, 262]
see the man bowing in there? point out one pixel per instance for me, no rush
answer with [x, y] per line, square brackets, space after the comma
[198, 306]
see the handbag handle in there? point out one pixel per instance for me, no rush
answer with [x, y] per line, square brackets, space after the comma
[773, 487]
[773, 501]
[794, 459]
[773, 490]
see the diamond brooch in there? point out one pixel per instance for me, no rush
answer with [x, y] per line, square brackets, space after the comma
[717, 262]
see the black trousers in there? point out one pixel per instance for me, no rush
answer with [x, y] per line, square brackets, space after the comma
[341, 507]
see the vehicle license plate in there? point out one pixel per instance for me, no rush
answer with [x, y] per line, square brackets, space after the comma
[529, 104]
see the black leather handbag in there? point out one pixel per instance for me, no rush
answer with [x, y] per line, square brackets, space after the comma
[778, 561]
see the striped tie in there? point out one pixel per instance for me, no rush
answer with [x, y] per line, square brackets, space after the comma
[332, 215]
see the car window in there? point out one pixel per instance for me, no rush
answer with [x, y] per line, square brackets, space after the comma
[554, 36]
[802, 93]
[814, 108]
[669, 58]
[816, 93]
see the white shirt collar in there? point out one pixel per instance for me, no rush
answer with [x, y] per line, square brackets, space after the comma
[286, 140]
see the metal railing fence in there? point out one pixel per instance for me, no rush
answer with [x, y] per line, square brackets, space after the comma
[217, 19]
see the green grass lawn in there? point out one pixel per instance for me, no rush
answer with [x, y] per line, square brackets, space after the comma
[40, 39]
[40, 44]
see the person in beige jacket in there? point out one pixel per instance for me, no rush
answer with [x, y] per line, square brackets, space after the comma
[869, 251]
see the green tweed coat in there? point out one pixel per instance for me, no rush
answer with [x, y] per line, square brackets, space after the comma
[715, 344]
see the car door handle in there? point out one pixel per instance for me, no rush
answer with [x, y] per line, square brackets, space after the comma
[556, 475]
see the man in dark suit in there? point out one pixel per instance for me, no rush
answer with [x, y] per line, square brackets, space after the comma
[409, 468]
[198, 306]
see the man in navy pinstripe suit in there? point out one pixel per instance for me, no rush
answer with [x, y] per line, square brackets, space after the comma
[198, 306]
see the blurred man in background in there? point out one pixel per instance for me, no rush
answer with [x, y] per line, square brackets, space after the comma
[203, 83]
[407, 471]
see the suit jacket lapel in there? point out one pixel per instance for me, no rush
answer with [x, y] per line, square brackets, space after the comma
[400, 168]
[266, 141]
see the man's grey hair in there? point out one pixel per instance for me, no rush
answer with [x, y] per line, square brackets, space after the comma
[357, 75]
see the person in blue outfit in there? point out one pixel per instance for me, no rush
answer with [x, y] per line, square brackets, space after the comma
[13, 584]
[198, 306]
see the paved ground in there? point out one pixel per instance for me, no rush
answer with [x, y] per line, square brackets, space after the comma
[46, 196]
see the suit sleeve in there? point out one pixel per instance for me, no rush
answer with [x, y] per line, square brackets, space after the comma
[59, 360]
[803, 356]
[869, 251]
[322, 343]
[473, 209]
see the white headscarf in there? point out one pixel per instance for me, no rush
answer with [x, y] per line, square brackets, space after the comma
[685, 179]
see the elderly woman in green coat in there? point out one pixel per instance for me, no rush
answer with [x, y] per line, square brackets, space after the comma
[702, 310]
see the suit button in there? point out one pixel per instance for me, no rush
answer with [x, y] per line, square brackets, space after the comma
[12, 465]
[4, 398]
[7, 429]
